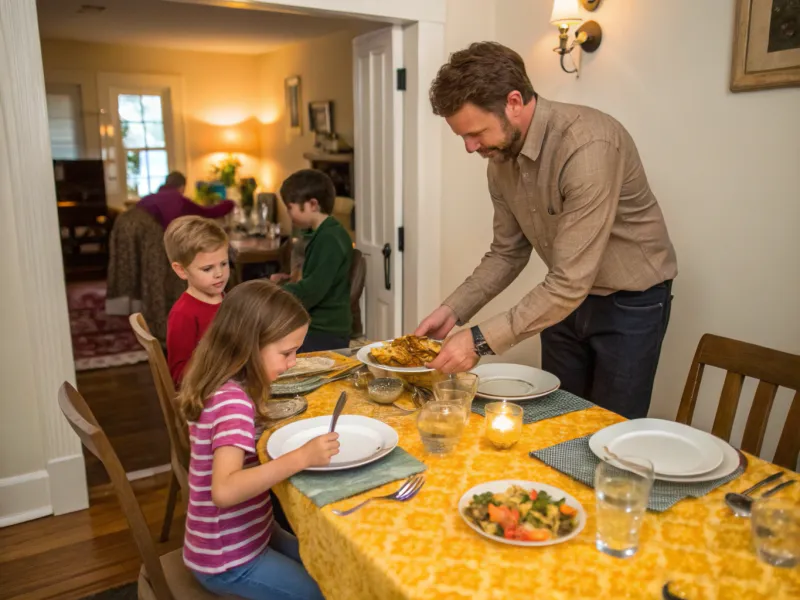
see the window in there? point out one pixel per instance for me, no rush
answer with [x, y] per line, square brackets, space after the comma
[65, 122]
[144, 145]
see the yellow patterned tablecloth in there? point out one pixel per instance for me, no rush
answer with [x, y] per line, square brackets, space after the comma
[422, 548]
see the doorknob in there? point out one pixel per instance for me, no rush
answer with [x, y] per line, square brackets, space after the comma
[387, 266]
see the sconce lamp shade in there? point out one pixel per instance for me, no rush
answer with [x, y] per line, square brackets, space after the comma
[565, 12]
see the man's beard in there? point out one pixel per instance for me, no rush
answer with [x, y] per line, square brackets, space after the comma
[511, 147]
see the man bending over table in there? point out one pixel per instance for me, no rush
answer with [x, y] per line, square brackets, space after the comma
[567, 181]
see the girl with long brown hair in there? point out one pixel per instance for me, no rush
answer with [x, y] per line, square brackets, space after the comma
[232, 545]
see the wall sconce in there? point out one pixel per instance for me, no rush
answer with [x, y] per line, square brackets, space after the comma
[588, 36]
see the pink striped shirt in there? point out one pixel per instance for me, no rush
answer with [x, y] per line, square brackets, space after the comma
[219, 539]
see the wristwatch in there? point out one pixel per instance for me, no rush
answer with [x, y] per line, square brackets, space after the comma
[481, 346]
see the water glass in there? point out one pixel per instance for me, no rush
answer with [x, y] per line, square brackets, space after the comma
[622, 487]
[459, 388]
[440, 425]
[775, 525]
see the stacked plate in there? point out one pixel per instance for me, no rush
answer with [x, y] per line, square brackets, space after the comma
[678, 452]
[506, 381]
[363, 440]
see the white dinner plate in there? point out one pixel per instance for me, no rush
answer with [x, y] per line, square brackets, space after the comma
[498, 487]
[365, 357]
[363, 440]
[675, 449]
[507, 381]
[730, 462]
[309, 365]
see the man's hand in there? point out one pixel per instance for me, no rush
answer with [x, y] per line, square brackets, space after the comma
[458, 354]
[438, 324]
[279, 277]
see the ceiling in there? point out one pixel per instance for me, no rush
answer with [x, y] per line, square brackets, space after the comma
[167, 24]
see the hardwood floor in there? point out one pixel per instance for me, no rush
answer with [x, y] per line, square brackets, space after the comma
[125, 403]
[75, 555]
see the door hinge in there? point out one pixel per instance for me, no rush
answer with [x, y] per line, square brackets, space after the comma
[401, 239]
[401, 79]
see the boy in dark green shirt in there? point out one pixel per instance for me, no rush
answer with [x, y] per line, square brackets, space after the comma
[325, 285]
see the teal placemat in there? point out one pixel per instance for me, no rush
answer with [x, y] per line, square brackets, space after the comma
[325, 488]
[576, 459]
[553, 405]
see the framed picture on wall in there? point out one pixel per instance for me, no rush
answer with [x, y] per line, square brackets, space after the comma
[292, 85]
[320, 116]
[766, 45]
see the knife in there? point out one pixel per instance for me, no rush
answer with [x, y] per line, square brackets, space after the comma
[338, 410]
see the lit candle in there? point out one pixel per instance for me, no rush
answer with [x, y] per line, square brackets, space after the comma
[503, 424]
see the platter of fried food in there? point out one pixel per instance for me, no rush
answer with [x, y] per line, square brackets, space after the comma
[407, 354]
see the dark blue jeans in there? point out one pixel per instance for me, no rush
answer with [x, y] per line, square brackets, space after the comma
[607, 350]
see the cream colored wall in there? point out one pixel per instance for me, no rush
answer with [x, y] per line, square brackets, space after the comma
[724, 167]
[325, 67]
[221, 102]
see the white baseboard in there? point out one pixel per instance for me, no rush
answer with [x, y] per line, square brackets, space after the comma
[68, 488]
[24, 497]
[59, 489]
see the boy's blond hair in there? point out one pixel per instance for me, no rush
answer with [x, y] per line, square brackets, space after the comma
[186, 237]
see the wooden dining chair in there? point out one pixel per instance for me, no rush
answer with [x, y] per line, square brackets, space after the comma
[178, 436]
[772, 368]
[161, 577]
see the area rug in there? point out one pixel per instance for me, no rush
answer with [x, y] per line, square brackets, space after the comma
[126, 592]
[99, 340]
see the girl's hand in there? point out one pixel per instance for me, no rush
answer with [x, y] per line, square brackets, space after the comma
[318, 452]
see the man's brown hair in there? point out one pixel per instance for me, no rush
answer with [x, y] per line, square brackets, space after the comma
[484, 74]
[186, 237]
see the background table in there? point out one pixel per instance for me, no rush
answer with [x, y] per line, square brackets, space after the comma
[422, 548]
[253, 250]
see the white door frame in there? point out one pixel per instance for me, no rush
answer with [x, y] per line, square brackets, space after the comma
[423, 52]
[27, 195]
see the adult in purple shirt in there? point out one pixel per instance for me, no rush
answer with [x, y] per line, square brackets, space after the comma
[169, 203]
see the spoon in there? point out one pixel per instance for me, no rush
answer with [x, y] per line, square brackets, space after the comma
[742, 505]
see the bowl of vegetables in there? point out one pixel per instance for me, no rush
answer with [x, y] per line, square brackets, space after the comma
[522, 513]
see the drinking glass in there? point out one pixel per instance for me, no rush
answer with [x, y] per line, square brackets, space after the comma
[459, 388]
[775, 525]
[440, 425]
[622, 487]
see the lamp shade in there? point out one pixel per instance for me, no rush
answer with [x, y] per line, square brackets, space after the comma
[565, 12]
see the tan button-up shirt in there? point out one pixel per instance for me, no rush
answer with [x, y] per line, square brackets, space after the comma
[578, 194]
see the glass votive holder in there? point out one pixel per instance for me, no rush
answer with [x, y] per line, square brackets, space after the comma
[503, 424]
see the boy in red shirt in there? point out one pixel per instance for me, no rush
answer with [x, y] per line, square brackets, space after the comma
[198, 250]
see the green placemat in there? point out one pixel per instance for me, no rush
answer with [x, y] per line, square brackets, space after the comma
[576, 459]
[553, 405]
[327, 487]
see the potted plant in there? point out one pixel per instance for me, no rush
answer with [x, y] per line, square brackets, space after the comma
[225, 172]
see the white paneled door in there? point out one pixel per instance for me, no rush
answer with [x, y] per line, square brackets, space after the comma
[378, 107]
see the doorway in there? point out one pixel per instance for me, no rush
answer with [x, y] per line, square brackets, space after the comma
[42, 337]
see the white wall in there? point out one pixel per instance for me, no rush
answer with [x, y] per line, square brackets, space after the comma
[725, 168]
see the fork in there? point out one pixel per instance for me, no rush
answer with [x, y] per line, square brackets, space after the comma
[407, 491]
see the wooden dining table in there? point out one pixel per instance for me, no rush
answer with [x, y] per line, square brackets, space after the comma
[254, 250]
[423, 549]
